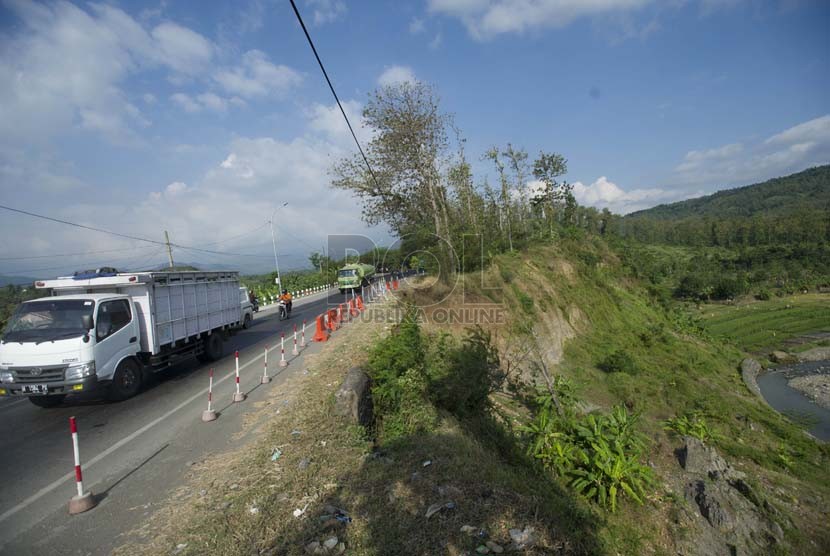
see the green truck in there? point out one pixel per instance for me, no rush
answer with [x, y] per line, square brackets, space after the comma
[353, 276]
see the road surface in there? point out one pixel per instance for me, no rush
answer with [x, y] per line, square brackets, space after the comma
[133, 452]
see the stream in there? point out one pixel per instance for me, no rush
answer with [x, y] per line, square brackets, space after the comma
[792, 403]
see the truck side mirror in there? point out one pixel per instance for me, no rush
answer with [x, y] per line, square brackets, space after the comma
[86, 321]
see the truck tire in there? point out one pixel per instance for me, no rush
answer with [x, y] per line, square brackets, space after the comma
[214, 348]
[47, 401]
[127, 380]
[246, 322]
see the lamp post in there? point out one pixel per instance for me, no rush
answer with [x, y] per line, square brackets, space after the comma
[274, 243]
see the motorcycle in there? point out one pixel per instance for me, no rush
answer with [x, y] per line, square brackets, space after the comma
[284, 309]
[255, 305]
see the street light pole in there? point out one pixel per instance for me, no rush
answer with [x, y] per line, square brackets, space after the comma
[274, 243]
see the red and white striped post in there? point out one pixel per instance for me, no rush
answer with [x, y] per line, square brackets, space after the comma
[295, 351]
[265, 378]
[209, 414]
[283, 362]
[83, 501]
[302, 336]
[238, 396]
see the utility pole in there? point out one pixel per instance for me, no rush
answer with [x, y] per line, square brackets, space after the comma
[169, 249]
[274, 243]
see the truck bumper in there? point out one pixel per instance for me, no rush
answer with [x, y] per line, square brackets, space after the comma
[76, 386]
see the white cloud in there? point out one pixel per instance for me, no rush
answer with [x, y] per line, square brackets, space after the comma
[175, 189]
[149, 98]
[803, 145]
[180, 48]
[204, 101]
[43, 94]
[697, 159]
[186, 102]
[213, 102]
[816, 130]
[604, 193]
[435, 43]
[396, 74]
[487, 18]
[326, 11]
[416, 26]
[256, 76]
[328, 121]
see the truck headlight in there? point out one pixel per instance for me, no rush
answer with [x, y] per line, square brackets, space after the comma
[6, 377]
[80, 371]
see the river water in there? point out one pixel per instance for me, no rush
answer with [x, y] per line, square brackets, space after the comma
[791, 402]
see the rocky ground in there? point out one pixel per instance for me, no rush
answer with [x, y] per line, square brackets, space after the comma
[815, 387]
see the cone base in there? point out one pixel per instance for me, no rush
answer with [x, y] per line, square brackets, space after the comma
[283, 363]
[238, 397]
[80, 504]
[208, 415]
[265, 380]
[295, 351]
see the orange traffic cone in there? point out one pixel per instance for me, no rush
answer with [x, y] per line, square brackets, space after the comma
[320, 335]
[360, 305]
[332, 320]
[352, 309]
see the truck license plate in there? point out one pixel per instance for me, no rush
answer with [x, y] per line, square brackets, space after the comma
[35, 389]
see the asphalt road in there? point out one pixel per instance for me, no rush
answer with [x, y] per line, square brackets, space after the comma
[133, 452]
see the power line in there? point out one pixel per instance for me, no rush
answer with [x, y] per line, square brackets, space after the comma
[59, 221]
[333, 92]
[117, 234]
[61, 255]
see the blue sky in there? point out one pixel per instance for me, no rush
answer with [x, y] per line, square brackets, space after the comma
[200, 117]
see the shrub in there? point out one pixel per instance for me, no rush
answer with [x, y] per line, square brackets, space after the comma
[692, 286]
[692, 425]
[462, 375]
[619, 361]
[727, 288]
[597, 455]
[399, 391]
[763, 295]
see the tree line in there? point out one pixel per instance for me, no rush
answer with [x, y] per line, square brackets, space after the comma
[420, 183]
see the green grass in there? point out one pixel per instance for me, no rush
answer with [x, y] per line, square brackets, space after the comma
[683, 369]
[758, 326]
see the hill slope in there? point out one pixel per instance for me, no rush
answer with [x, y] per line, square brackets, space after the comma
[808, 190]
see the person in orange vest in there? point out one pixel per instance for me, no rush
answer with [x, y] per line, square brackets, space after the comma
[285, 296]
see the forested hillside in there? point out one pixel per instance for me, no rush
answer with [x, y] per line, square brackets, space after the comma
[790, 209]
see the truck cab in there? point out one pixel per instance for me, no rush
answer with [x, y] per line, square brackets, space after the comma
[56, 346]
[247, 307]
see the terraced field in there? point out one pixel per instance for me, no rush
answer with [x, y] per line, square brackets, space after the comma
[758, 326]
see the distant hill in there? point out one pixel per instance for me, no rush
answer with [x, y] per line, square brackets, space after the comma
[807, 190]
[16, 280]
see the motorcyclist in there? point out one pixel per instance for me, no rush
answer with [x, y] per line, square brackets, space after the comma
[286, 297]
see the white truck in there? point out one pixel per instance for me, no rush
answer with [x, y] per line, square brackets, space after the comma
[110, 329]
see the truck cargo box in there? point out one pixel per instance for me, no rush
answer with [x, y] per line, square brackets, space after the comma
[172, 306]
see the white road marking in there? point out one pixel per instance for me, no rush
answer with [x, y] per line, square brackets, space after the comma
[52, 486]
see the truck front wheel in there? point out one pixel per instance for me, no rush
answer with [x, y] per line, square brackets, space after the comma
[47, 401]
[127, 380]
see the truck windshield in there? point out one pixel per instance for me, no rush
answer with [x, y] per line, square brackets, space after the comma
[48, 320]
[346, 272]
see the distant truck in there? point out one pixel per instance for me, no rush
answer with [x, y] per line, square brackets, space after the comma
[353, 276]
[110, 329]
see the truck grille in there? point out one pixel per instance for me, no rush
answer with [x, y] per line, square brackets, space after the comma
[30, 375]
